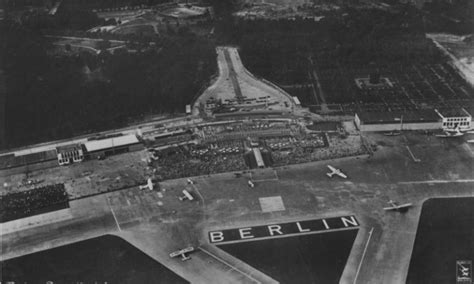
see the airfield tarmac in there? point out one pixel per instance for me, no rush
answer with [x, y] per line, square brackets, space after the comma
[157, 223]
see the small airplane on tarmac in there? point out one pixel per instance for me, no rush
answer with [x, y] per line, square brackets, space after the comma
[149, 185]
[186, 196]
[335, 171]
[251, 184]
[182, 253]
[395, 207]
[190, 181]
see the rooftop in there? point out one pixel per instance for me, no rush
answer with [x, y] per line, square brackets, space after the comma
[68, 148]
[97, 145]
[453, 112]
[397, 116]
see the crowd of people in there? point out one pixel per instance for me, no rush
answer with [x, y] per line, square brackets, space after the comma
[235, 155]
[243, 130]
[32, 202]
[183, 162]
[338, 148]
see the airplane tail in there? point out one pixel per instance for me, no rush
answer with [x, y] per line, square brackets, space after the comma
[330, 174]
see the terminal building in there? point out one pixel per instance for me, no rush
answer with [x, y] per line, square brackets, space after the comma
[258, 157]
[70, 154]
[455, 118]
[396, 121]
[98, 149]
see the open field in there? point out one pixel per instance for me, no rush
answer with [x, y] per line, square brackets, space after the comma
[442, 221]
[312, 258]
[106, 259]
[383, 246]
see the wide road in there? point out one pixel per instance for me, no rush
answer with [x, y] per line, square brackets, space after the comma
[235, 82]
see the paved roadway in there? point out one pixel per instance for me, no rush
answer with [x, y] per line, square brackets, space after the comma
[235, 81]
[157, 223]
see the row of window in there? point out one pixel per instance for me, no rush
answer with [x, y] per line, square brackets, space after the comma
[74, 154]
[66, 158]
[453, 124]
[458, 119]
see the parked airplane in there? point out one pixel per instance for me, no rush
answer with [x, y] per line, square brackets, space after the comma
[251, 184]
[182, 253]
[470, 141]
[335, 171]
[149, 184]
[190, 181]
[186, 196]
[395, 207]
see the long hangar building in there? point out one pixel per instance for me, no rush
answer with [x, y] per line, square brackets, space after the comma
[432, 119]
[98, 149]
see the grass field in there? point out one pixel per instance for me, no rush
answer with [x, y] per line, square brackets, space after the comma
[106, 259]
[314, 258]
[444, 236]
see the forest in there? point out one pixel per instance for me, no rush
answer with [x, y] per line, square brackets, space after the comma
[53, 97]
[280, 50]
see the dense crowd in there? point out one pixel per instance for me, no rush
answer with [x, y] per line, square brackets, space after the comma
[32, 202]
[184, 162]
[236, 155]
[338, 148]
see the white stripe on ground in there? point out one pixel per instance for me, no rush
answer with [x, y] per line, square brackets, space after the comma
[230, 265]
[363, 255]
[437, 181]
[115, 217]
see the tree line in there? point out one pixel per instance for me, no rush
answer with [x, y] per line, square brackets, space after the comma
[52, 97]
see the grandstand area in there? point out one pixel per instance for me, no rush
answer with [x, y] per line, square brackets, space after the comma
[89, 166]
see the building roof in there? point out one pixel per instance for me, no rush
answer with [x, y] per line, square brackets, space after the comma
[453, 112]
[11, 161]
[258, 157]
[396, 117]
[68, 148]
[109, 143]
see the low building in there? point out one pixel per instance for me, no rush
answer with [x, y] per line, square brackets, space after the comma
[98, 149]
[396, 121]
[70, 154]
[455, 118]
[258, 157]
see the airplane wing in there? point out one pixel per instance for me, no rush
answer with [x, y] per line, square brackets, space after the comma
[406, 205]
[188, 249]
[341, 175]
[390, 208]
[182, 251]
[333, 169]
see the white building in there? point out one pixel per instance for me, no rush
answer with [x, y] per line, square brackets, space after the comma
[69, 154]
[397, 121]
[455, 118]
